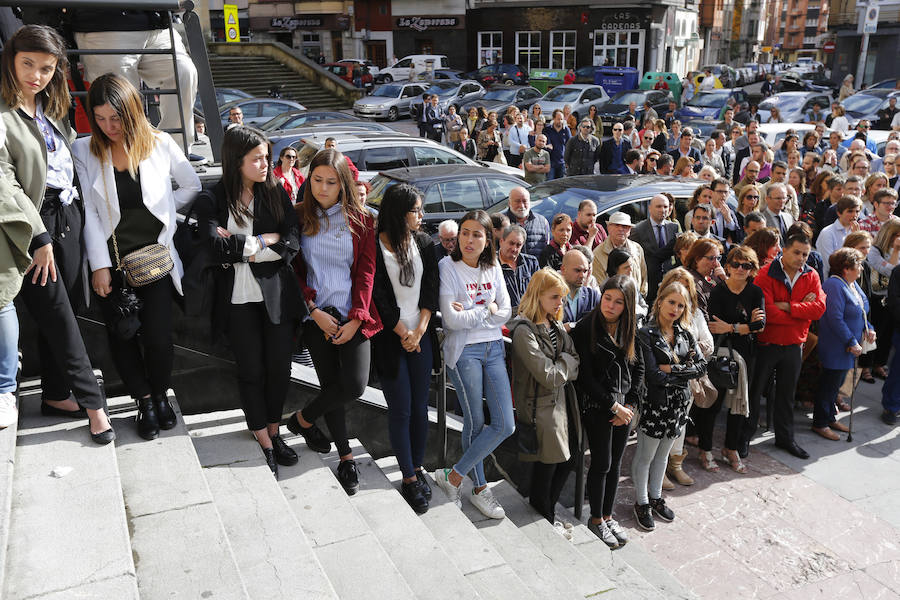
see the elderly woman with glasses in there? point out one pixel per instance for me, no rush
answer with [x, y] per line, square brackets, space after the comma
[288, 174]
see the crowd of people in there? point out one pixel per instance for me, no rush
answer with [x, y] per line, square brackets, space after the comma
[652, 327]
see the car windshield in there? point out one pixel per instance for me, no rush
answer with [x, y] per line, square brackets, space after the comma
[862, 103]
[388, 91]
[443, 88]
[563, 94]
[708, 99]
[502, 95]
[628, 98]
[277, 122]
[783, 103]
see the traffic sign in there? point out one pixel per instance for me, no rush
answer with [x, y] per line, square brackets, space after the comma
[871, 24]
[828, 47]
[232, 27]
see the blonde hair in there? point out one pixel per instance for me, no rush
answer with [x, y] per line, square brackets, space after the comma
[137, 134]
[543, 281]
[885, 238]
[674, 288]
[684, 277]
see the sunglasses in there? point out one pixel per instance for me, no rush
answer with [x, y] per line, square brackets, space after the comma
[744, 266]
[752, 197]
[291, 156]
[650, 159]
[618, 129]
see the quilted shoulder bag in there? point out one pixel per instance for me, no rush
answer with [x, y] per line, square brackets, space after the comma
[144, 265]
[722, 370]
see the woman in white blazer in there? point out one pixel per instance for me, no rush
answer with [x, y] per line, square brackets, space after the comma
[126, 168]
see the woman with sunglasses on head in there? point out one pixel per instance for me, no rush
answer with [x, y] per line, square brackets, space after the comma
[288, 174]
[406, 295]
[131, 205]
[336, 270]
[36, 159]
[737, 310]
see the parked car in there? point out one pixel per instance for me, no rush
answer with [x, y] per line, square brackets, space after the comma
[373, 152]
[773, 133]
[456, 93]
[258, 110]
[500, 97]
[710, 105]
[418, 62]
[627, 193]
[351, 73]
[866, 104]
[505, 73]
[448, 191]
[321, 131]
[579, 96]
[793, 106]
[298, 118]
[373, 69]
[448, 74]
[724, 73]
[389, 101]
[884, 84]
[808, 81]
[616, 110]
[223, 96]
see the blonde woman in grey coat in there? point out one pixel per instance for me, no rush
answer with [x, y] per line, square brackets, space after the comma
[544, 362]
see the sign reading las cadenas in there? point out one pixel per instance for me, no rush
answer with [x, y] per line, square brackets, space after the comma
[425, 23]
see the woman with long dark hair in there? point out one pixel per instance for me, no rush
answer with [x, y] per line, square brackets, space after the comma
[248, 220]
[474, 307]
[36, 159]
[611, 384]
[287, 173]
[131, 205]
[336, 270]
[406, 296]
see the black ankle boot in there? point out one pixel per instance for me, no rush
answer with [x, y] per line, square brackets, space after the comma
[271, 461]
[164, 412]
[147, 421]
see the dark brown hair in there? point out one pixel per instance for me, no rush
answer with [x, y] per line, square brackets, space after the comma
[238, 142]
[487, 257]
[352, 207]
[55, 99]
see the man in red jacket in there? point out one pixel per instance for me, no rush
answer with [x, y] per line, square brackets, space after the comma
[794, 299]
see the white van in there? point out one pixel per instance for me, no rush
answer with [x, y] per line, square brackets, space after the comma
[401, 68]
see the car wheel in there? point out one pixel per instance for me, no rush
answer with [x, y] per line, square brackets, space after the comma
[393, 113]
[509, 82]
[388, 78]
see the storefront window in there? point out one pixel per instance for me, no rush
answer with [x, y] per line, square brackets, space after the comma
[562, 49]
[619, 48]
[311, 45]
[490, 47]
[528, 49]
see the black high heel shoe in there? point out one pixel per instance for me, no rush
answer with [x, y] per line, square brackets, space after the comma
[104, 437]
[52, 411]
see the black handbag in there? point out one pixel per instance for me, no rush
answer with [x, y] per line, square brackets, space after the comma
[126, 311]
[723, 370]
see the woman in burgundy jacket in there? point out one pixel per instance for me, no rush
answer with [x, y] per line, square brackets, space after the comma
[336, 278]
[288, 174]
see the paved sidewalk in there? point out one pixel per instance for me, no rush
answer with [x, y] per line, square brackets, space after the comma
[827, 527]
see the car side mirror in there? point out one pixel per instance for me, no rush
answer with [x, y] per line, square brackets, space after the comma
[585, 100]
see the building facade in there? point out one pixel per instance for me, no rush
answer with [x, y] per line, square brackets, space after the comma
[433, 27]
[883, 48]
[798, 28]
[716, 22]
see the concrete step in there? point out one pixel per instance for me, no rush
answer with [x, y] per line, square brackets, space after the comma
[529, 563]
[337, 532]
[167, 499]
[7, 470]
[565, 556]
[467, 548]
[624, 570]
[269, 546]
[68, 535]
[424, 564]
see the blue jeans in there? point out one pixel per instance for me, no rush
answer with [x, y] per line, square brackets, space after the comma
[480, 373]
[824, 412]
[890, 393]
[407, 399]
[9, 348]
[557, 171]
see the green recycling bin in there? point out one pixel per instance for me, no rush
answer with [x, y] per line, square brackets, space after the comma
[546, 79]
[650, 78]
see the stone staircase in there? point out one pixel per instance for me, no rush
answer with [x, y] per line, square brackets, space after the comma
[197, 514]
[258, 74]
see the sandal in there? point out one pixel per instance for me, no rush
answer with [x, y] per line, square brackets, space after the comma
[734, 460]
[842, 406]
[879, 372]
[708, 462]
[692, 440]
[866, 376]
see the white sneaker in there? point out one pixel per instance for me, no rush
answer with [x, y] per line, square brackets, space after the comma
[441, 478]
[485, 502]
[8, 412]
[563, 529]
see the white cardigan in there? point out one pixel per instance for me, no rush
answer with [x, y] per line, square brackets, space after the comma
[167, 161]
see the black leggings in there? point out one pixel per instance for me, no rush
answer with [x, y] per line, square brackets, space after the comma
[262, 351]
[705, 418]
[145, 361]
[547, 481]
[343, 373]
[607, 445]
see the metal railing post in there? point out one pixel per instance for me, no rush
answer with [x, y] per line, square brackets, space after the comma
[185, 133]
[206, 89]
[442, 411]
[579, 480]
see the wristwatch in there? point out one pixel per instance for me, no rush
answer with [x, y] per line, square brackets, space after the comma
[734, 328]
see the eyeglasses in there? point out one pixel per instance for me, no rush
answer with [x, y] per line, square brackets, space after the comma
[713, 258]
[744, 266]
[889, 202]
[417, 211]
[585, 126]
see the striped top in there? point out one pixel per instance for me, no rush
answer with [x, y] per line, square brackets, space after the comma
[329, 257]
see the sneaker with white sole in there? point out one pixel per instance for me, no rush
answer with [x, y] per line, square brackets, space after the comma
[601, 530]
[564, 529]
[442, 479]
[617, 531]
[485, 502]
[9, 414]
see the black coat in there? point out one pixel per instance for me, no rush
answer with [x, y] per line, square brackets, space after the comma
[605, 376]
[664, 410]
[280, 291]
[386, 344]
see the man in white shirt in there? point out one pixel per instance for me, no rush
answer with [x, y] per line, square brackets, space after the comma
[518, 140]
[832, 237]
[709, 81]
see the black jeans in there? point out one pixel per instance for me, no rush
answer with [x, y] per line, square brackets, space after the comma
[262, 351]
[705, 419]
[65, 366]
[784, 363]
[145, 361]
[343, 373]
[547, 482]
[607, 445]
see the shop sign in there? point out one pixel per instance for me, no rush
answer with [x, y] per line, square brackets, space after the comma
[426, 23]
[292, 23]
[620, 20]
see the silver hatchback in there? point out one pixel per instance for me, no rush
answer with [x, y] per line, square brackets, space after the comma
[389, 101]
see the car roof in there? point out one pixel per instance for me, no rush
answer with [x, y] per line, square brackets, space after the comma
[427, 172]
[500, 86]
[579, 86]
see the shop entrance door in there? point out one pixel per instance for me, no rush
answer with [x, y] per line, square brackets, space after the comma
[377, 52]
